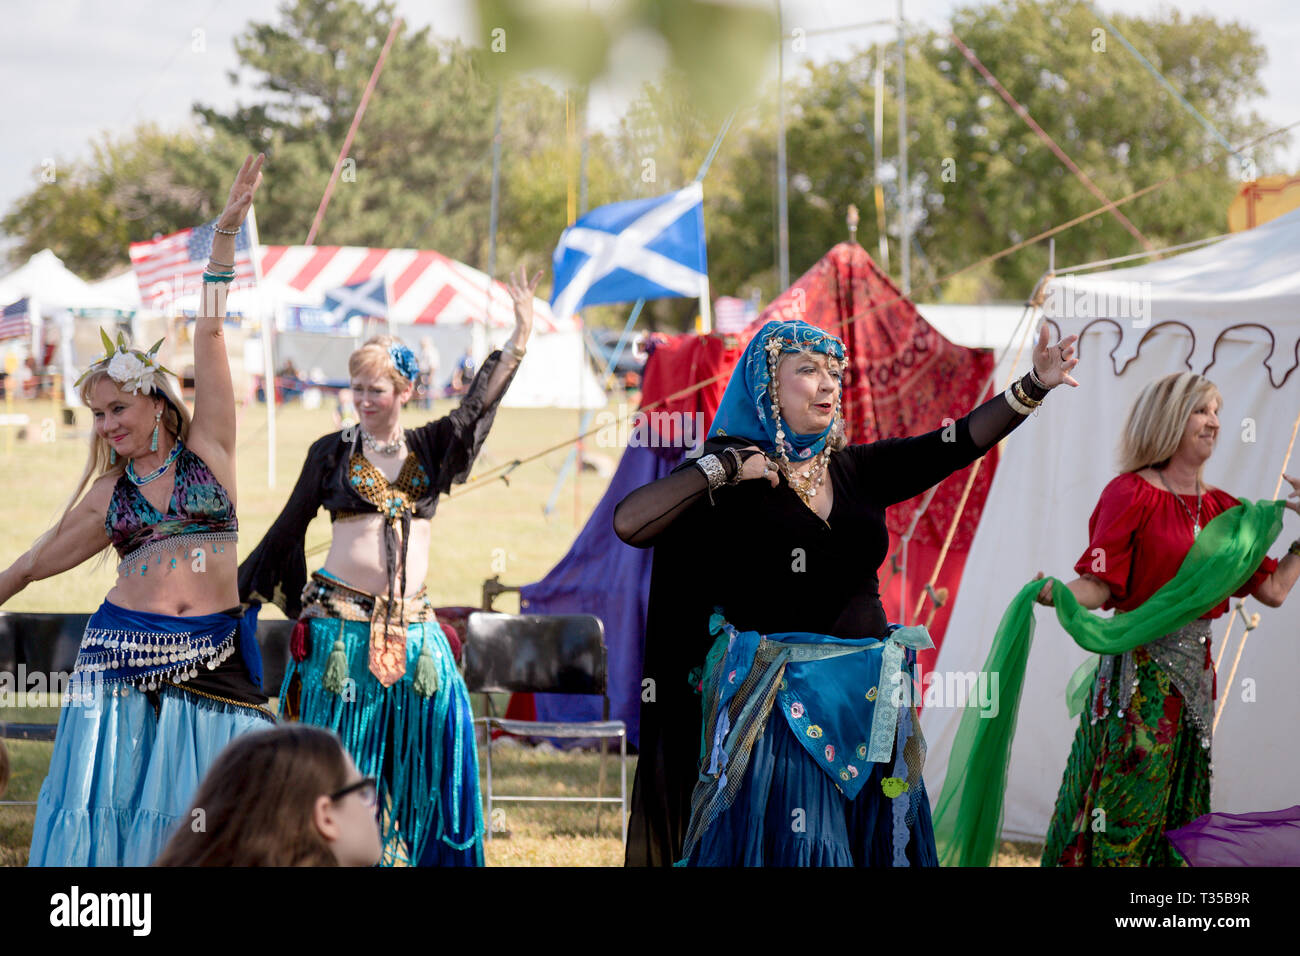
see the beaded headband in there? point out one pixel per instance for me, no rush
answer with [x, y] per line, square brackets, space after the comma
[132, 369]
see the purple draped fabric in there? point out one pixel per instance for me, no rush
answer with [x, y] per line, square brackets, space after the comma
[603, 576]
[1270, 838]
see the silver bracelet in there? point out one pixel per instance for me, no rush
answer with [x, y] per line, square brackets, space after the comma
[735, 455]
[713, 471]
[226, 232]
[1033, 377]
[511, 349]
[1016, 404]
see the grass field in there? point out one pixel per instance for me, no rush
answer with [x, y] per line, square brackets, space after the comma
[497, 528]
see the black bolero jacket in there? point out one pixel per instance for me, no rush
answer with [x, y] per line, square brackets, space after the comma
[276, 570]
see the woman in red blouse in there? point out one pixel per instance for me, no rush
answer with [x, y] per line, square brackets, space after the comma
[1140, 763]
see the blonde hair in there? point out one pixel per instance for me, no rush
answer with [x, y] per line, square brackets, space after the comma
[1158, 418]
[374, 359]
[175, 419]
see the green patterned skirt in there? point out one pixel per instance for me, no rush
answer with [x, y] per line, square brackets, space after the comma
[1130, 778]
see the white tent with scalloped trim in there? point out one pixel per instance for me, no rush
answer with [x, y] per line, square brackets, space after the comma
[1230, 311]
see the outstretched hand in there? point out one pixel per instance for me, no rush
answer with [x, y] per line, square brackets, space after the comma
[521, 292]
[1053, 364]
[241, 195]
[1293, 499]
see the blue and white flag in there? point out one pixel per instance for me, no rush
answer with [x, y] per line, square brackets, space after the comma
[639, 249]
[362, 299]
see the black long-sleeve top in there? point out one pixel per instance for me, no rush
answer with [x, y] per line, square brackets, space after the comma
[276, 570]
[771, 564]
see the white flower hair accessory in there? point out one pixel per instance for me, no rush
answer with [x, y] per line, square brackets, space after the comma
[132, 369]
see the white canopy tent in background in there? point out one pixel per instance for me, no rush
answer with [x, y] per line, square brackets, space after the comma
[1230, 311]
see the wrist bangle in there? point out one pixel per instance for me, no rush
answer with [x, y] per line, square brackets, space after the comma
[1015, 404]
[734, 456]
[223, 265]
[226, 232]
[1038, 382]
[1018, 390]
[209, 277]
[511, 349]
[713, 471]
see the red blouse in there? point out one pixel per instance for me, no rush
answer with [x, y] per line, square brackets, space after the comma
[1139, 534]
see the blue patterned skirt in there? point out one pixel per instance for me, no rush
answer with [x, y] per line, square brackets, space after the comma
[122, 774]
[811, 754]
[788, 812]
[421, 749]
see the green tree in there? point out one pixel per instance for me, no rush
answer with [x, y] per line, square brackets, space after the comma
[981, 179]
[130, 189]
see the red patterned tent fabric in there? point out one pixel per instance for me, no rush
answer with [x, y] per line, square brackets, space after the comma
[904, 378]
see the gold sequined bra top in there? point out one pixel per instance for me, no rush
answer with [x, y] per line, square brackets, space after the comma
[391, 499]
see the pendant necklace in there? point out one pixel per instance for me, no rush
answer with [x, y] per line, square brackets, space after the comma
[1196, 521]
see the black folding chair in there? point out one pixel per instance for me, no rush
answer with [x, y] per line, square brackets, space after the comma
[543, 654]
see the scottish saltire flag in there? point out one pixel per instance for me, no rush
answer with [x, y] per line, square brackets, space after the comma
[363, 299]
[16, 320]
[639, 249]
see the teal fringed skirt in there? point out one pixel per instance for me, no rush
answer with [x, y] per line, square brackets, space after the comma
[420, 749]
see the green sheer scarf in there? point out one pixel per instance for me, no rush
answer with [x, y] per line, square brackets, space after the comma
[968, 815]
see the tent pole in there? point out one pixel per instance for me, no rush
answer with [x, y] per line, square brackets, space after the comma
[878, 128]
[267, 317]
[782, 209]
[905, 243]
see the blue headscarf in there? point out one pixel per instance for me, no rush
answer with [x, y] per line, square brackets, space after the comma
[746, 409]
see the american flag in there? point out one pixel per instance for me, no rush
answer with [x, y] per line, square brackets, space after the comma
[16, 320]
[172, 266]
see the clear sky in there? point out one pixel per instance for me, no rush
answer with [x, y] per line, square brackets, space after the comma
[74, 68]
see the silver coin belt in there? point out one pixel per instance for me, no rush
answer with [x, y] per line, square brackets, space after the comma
[108, 654]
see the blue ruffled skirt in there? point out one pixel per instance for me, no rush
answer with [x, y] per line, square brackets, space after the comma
[788, 812]
[121, 776]
[421, 749]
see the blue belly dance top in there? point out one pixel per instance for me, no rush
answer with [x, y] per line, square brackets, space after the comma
[199, 511]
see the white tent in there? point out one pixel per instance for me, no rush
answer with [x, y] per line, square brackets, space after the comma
[46, 279]
[121, 292]
[1230, 311]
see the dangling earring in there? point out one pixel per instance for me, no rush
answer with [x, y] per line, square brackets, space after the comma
[153, 442]
[112, 456]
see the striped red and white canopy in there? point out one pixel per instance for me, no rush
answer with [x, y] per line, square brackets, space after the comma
[424, 287]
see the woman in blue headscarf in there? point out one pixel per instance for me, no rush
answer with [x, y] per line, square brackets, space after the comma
[776, 724]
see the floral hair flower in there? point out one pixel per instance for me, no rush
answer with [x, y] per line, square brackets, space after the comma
[404, 361]
[132, 369]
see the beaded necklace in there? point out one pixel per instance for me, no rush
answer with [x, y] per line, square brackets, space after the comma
[154, 475]
[805, 486]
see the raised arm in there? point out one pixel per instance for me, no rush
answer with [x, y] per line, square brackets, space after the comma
[79, 536]
[521, 293]
[212, 431]
[901, 468]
